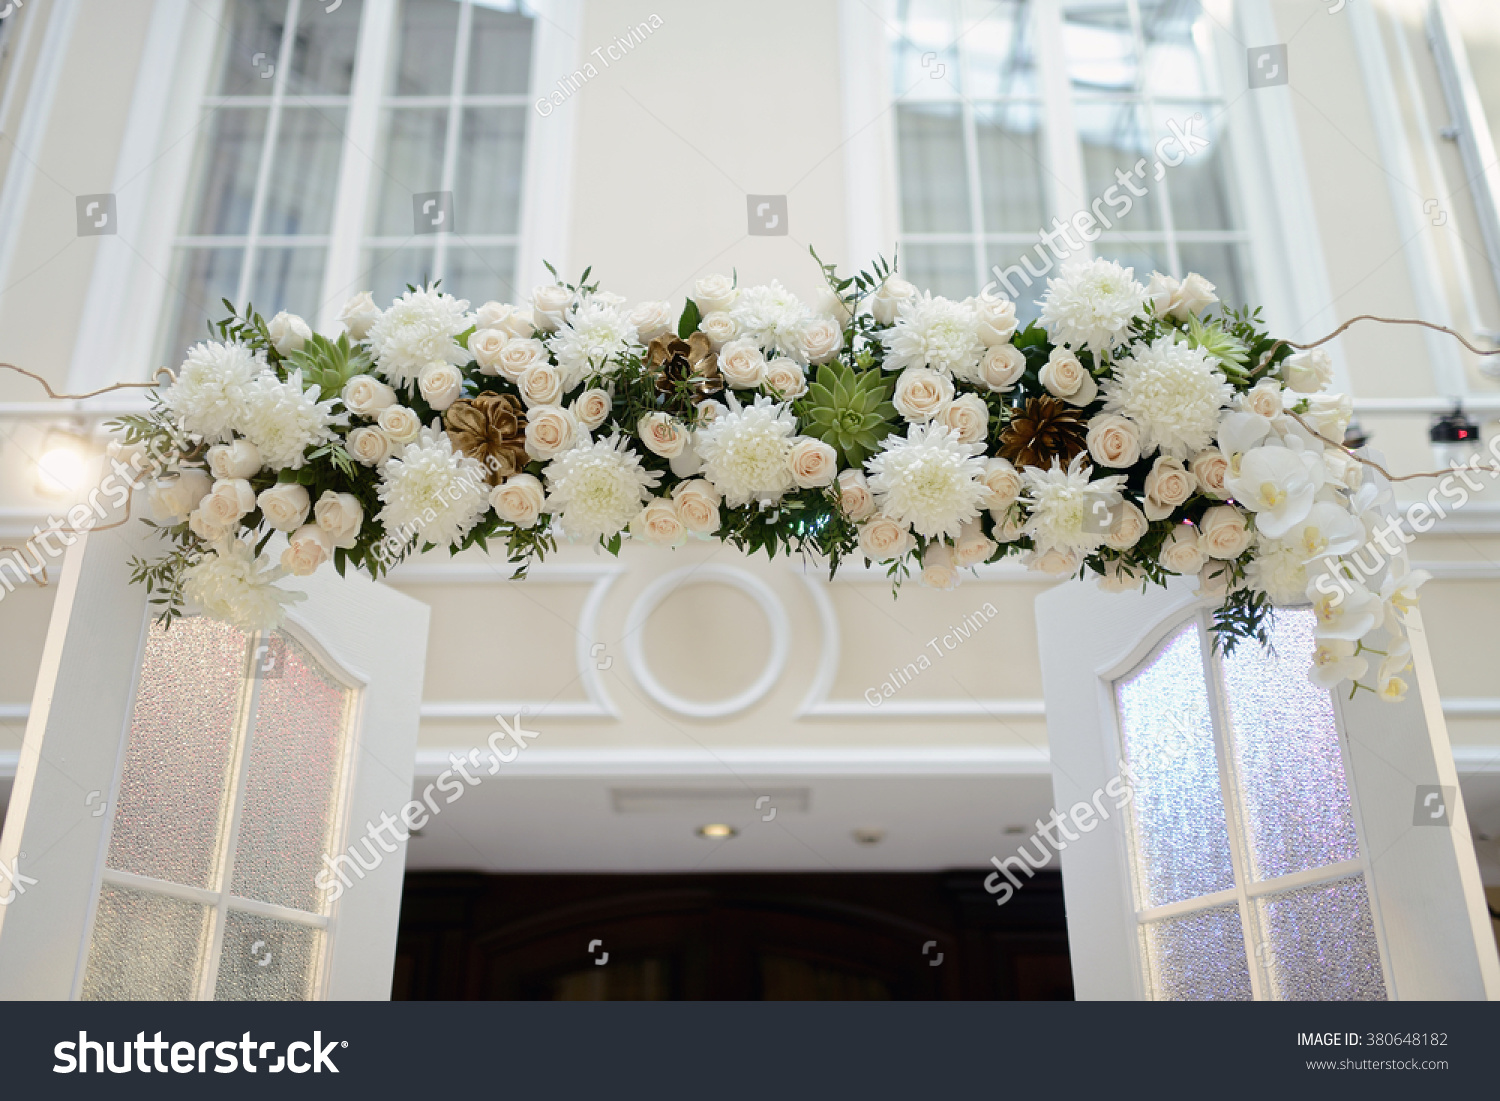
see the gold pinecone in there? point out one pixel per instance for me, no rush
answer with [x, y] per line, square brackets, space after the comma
[1044, 431]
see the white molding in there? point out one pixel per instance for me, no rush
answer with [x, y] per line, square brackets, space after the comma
[667, 584]
[870, 222]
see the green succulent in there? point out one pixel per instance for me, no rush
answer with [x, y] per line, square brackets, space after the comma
[329, 364]
[849, 410]
[1229, 350]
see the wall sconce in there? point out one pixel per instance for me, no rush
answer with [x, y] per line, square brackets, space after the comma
[66, 458]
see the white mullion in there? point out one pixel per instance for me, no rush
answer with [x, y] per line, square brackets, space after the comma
[1187, 906]
[975, 236]
[1146, 106]
[450, 140]
[267, 149]
[231, 834]
[1234, 818]
[288, 914]
[1308, 877]
[160, 887]
[1066, 182]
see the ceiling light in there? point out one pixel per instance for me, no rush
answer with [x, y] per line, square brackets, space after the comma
[869, 835]
[717, 831]
[64, 464]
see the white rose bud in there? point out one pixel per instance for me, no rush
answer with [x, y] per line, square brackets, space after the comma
[652, 320]
[540, 384]
[486, 346]
[814, 464]
[240, 459]
[1182, 552]
[827, 303]
[441, 384]
[1329, 414]
[227, 501]
[921, 393]
[1194, 296]
[550, 430]
[883, 539]
[285, 506]
[785, 379]
[341, 516]
[822, 340]
[719, 327]
[549, 305]
[519, 500]
[400, 425]
[1127, 528]
[714, 294]
[368, 445]
[659, 524]
[1307, 372]
[1163, 292]
[505, 318]
[886, 301]
[1168, 486]
[855, 497]
[1008, 525]
[592, 408]
[205, 527]
[1120, 578]
[1003, 482]
[359, 314]
[308, 548]
[697, 505]
[742, 364]
[289, 333]
[1001, 368]
[967, 415]
[1225, 532]
[366, 396]
[1054, 562]
[973, 546]
[939, 571]
[663, 434]
[997, 319]
[1065, 377]
[1210, 467]
[1114, 441]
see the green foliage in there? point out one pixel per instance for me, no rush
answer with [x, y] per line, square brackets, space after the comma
[329, 364]
[848, 409]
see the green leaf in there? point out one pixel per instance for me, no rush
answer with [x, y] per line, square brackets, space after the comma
[688, 322]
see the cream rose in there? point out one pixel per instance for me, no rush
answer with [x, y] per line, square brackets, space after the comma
[813, 463]
[1168, 486]
[1003, 481]
[519, 500]
[1182, 552]
[939, 571]
[1001, 368]
[228, 500]
[1114, 441]
[1194, 296]
[785, 379]
[1008, 525]
[288, 332]
[1065, 377]
[968, 416]
[285, 506]
[997, 319]
[506, 318]
[592, 408]
[1329, 415]
[205, 527]
[1213, 580]
[659, 524]
[487, 346]
[714, 294]
[663, 434]
[742, 364]
[399, 424]
[822, 339]
[697, 505]
[1264, 398]
[540, 384]
[549, 305]
[921, 393]
[883, 539]
[307, 549]
[827, 303]
[240, 459]
[368, 445]
[550, 430]
[1126, 528]
[358, 314]
[341, 516]
[1120, 578]
[366, 396]
[719, 327]
[855, 497]
[1225, 532]
[885, 303]
[651, 320]
[1210, 467]
[973, 546]
[441, 384]
[1054, 561]
[1307, 372]
[519, 354]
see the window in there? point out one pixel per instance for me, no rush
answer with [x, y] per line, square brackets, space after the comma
[1248, 875]
[997, 136]
[282, 135]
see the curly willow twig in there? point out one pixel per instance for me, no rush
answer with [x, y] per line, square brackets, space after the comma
[1280, 344]
[55, 396]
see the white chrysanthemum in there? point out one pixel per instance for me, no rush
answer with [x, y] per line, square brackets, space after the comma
[929, 479]
[1091, 304]
[432, 491]
[1067, 511]
[1173, 393]
[233, 586]
[590, 338]
[421, 328]
[774, 318]
[747, 452]
[283, 420]
[936, 333]
[208, 398]
[595, 490]
[1279, 570]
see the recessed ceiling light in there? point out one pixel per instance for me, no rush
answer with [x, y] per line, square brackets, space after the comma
[1012, 830]
[869, 835]
[716, 831]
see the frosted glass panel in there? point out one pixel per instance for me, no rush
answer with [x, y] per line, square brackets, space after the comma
[1286, 752]
[266, 960]
[1200, 957]
[1321, 943]
[1181, 846]
[172, 790]
[292, 780]
[146, 947]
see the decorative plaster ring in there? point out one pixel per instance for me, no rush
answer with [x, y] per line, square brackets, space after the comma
[664, 586]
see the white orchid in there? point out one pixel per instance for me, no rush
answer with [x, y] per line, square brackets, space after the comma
[1279, 485]
[1336, 660]
[1344, 607]
[1326, 530]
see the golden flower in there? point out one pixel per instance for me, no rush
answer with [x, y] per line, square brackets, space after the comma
[490, 427]
[675, 361]
[1042, 432]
